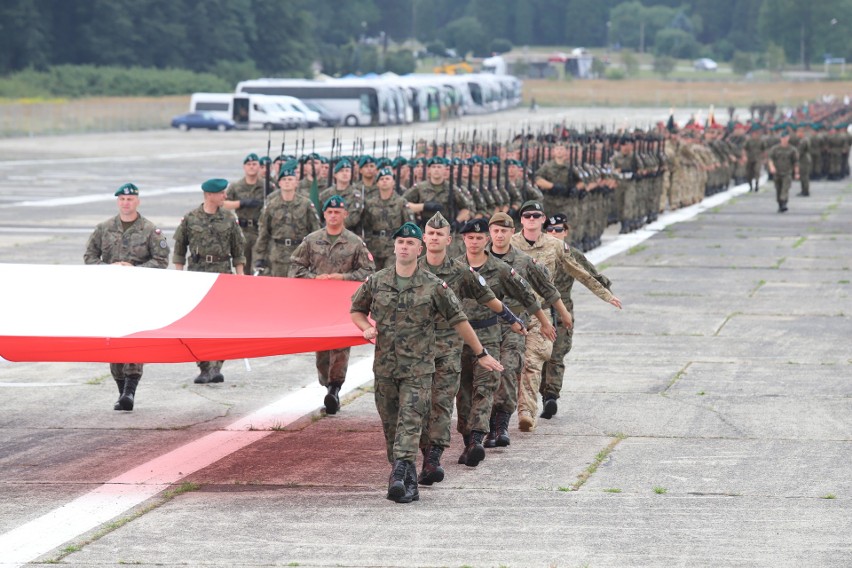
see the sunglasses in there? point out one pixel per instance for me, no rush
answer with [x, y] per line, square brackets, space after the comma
[532, 215]
[555, 229]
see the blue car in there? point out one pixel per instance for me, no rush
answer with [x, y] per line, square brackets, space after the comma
[206, 120]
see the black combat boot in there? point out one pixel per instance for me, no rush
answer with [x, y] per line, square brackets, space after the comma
[503, 429]
[396, 481]
[130, 384]
[549, 408]
[411, 492]
[463, 456]
[491, 438]
[203, 377]
[432, 471]
[475, 449]
[332, 399]
[120, 384]
[216, 375]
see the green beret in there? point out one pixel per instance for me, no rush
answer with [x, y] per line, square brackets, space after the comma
[265, 160]
[408, 231]
[214, 185]
[436, 160]
[288, 169]
[385, 172]
[323, 159]
[127, 189]
[399, 161]
[475, 226]
[364, 160]
[531, 206]
[437, 221]
[251, 158]
[335, 201]
[342, 164]
[382, 163]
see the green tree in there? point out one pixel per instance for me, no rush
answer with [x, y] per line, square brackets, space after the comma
[676, 43]
[437, 47]
[634, 25]
[664, 65]
[742, 63]
[500, 45]
[23, 36]
[466, 35]
[631, 63]
[400, 62]
[775, 58]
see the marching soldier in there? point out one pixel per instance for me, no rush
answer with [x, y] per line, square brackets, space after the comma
[351, 195]
[209, 240]
[384, 212]
[784, 167]
[246, 196]
[128, 239]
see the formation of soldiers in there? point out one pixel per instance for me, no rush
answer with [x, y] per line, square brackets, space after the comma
[468, 251]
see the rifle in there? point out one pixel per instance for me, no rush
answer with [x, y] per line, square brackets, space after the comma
[266, 189]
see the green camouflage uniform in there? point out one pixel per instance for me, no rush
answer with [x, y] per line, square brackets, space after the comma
[405, 350]
[248, 217]
[283, 225]
[785, 159]
[380, 219]
[141, 244]
[354, 205]
[209, 243]
[320, 254]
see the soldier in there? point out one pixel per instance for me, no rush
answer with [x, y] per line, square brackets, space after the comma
[556, 179]
[284, 222]
[404, 301]
[368, 168]
[384, 212]
[351, 195]
[475, 399]
[466, 284]
[247, 197]
[784, 167]
[805, 163]
[555, 257]
[553, 372]
[332, 253]
[128, 239]
[211, 241]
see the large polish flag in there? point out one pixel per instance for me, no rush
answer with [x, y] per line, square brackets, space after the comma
[115, 314]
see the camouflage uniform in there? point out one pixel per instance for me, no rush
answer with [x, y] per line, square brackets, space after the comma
[320, 254]
[564, 199]
[380, 219]
[785, 159]
[354, 204]
[248, 217]
[283, 225]
[437, 198]
[209, 243]
[805, 163]
[141, 244]
[406, 349]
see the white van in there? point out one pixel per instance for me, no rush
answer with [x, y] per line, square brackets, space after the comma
[292, 104]
[247, 111]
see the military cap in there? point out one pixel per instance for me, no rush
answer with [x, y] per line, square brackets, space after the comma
[437, 221]
[251, 158]
[342, 164]
[127, 189]
[322, 159]
[558, 219]
[436, 160]
[501, 220]
[214, 185]
[531, 206]
[335, 201]
[399, 161]
[474, 226]
[382, 163]
[408, 231]
[385, 172]
[366, 159]
[288, 169]
[265, 160]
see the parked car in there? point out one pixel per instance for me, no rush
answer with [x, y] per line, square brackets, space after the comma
[328, 117]
[206, 120]
[704, 64]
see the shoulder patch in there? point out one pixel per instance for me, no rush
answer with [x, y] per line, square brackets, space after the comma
[481, 280]
[444, 284]
[513, 272]
[534, 261]
[370, 256]
[163, 244]
[157, 231]
[566, 246]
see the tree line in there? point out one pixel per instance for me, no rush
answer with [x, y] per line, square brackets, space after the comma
[241, 38]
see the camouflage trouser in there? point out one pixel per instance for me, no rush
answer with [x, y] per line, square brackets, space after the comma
[251, 237]
[512, 348]
[476, 391]
[782, 187]
[332, 365]
[120, 371]
[279, 261]
[211, 366]
[437, 423]
[805, 176]
[402, 403]
[553, 372]
[538, 349]
[752, 170]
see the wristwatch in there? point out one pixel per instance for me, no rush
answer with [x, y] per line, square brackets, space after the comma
[483, 354]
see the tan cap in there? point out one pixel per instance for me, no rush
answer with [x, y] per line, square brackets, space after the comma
[501, 219]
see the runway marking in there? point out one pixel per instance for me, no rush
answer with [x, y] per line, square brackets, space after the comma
[55, 528]
[93, 198]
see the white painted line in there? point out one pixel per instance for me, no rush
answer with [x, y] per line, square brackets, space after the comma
[81, 199]
[32, 385]
[120, 494]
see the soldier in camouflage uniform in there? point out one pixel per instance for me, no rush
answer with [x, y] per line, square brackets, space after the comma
[332, 253]
[368, 170]
[625, 165]
[784, 167]
[128, 239]
[247, 197]
[803, 135]
[475, 399]
[351, 195]
[466, 284]
[405, 300]
[555, 256]
[287, 218]
[384, 212]
[208, 239]
[556, 180]
[553, 372]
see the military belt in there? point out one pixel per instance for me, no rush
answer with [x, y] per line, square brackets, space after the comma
[210, 258]
[287, 242]
[482, 324]
[248, 222]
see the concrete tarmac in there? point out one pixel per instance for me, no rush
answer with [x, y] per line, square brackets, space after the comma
[709, 423]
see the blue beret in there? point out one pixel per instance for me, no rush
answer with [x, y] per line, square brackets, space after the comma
[251, 158]
[385, 172]
[342, 164]
[408, 230]
[214, 185]
[334, 201]
[127, 189]
[288, 169]
[475, 226]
